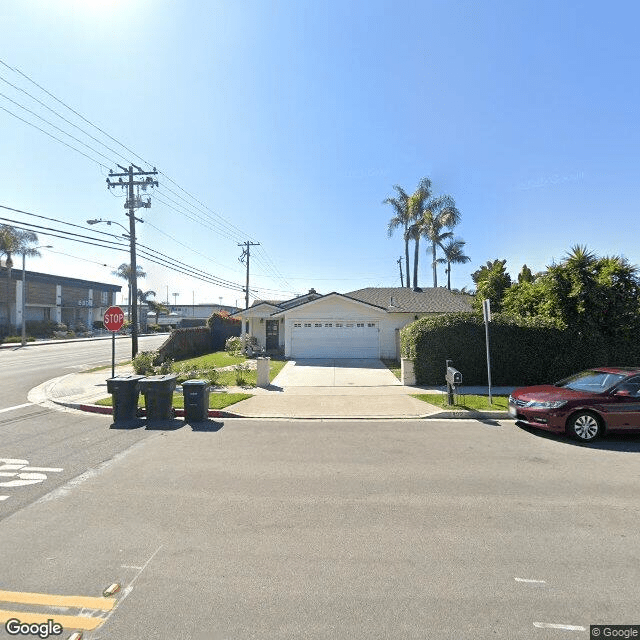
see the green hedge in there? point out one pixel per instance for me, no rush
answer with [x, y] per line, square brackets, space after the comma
[523, 351]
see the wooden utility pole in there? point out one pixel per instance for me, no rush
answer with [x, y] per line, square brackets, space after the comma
[246, 253]
[132, 203]
[399, 261]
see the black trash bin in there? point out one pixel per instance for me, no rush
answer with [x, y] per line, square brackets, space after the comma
[196, 400]
[158, 396]
[125, 392]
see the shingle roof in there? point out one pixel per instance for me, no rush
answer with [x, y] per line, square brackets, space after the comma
[403, 300]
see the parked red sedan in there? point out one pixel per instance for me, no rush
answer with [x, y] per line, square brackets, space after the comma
[585, 405]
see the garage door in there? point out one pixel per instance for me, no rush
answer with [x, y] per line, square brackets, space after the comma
[322, 339]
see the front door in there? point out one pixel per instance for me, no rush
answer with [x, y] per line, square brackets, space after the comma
[272, 335]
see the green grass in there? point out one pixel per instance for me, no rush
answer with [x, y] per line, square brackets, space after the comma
[215, 360]
[216, 400]
[393, 366]
[469, 402]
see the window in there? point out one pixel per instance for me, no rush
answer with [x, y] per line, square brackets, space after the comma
[105, 295]
[297, 324]
[307, 324]
[371, 324]
[338, 324]
[318, 324]
[328, 324]
[360, 324]
[350, 324]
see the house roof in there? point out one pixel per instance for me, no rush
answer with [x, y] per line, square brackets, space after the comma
[404, 300]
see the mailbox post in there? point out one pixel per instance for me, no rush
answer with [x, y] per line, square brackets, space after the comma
[454, 379]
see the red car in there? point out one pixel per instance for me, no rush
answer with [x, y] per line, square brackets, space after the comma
[585, 405]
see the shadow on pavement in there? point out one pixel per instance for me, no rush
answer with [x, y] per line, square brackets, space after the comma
[205, 426]
[128, 424]
[623, 442]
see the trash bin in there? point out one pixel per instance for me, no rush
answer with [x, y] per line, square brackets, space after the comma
[125, 392]
[158, 396]
[196, 400]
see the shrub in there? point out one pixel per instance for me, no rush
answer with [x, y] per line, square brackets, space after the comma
[165, 367]
[233, 345]
[143, 363]
[16, 339]
[240, 370]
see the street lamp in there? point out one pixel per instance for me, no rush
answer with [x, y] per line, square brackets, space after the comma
[24, 292]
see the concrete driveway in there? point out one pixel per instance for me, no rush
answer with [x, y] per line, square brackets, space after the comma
[334, 388]
[335, 372]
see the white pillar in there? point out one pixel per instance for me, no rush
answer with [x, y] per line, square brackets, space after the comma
[57, 314]
[18, 306]
[90, 311]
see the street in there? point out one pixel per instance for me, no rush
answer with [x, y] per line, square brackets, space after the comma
[324, 529]
[42, 448]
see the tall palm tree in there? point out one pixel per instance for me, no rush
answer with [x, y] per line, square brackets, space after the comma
[453, 254]
[14, 241]
[440, 213]
[417, 203]
[157, 308]
[124, 272]
[401, 218]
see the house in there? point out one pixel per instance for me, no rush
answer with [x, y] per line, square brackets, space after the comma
[359, 324]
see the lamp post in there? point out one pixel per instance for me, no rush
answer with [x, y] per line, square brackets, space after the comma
[24, 293]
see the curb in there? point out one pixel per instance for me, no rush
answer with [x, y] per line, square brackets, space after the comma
[217, 413]
[179, 413]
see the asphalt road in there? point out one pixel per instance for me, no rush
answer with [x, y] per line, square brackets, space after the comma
[317, 529]
[42, 448]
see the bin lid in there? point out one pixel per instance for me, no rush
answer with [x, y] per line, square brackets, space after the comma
[195, 383]
[131, 377]
[160, 378]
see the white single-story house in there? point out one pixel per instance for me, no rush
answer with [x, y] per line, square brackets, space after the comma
[359, 324]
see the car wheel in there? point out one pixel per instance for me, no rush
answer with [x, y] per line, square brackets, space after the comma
[584, 426]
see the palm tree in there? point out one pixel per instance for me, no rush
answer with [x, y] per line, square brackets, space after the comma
[453, 254]
[401, 218]
[417, 203]
[440, 213]
[143, 297]
[124, 272]
[14, 241]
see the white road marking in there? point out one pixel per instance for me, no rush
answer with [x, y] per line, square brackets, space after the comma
[3, 498]
[564, 627]
[43, 469]
[530, 580]
[18, 406]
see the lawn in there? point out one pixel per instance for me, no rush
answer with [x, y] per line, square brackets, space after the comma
[211, 360]
[467, 401]
[393, 366]
[216, 400]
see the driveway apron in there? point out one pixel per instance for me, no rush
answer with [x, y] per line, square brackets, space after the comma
[334, 388]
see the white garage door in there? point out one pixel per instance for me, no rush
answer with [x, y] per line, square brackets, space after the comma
[323, 339]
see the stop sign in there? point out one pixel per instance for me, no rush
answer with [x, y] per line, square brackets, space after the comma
[113, 319]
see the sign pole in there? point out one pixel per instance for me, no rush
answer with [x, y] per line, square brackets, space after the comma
[486, 309]
[113, 321]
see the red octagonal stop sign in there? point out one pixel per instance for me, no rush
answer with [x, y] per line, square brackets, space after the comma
[113, 319]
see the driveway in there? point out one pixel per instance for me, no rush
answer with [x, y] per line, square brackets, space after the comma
[334, 388]
[335, 372]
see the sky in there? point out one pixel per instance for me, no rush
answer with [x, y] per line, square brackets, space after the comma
[287, 123]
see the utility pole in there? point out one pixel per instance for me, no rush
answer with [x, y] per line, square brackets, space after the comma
[399, 261]
[246, 253]
[132, 203]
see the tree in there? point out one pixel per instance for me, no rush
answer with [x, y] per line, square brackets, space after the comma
[453, 254]
[15, 241]
[401, 218]
[157, 308]
[124, 272]
[143, 297]
[440, 213]
[492, 282]
[525, 274]
[417, 203]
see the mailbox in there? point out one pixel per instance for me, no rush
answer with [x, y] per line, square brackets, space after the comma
[454, 377]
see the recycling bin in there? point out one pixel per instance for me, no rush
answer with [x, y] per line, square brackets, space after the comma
[158, 396]
[125, 393]
[196, 400]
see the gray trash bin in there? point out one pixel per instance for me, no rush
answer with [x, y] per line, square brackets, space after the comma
[158, 396]
[196, 400]
[125, 392]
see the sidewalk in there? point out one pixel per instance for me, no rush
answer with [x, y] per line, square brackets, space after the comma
[79, 391]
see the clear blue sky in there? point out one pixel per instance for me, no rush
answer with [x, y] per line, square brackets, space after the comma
[292, 121]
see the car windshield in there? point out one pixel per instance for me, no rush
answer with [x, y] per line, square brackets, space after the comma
[591, 381]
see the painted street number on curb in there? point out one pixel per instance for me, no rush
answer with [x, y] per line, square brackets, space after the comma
[21, 474]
